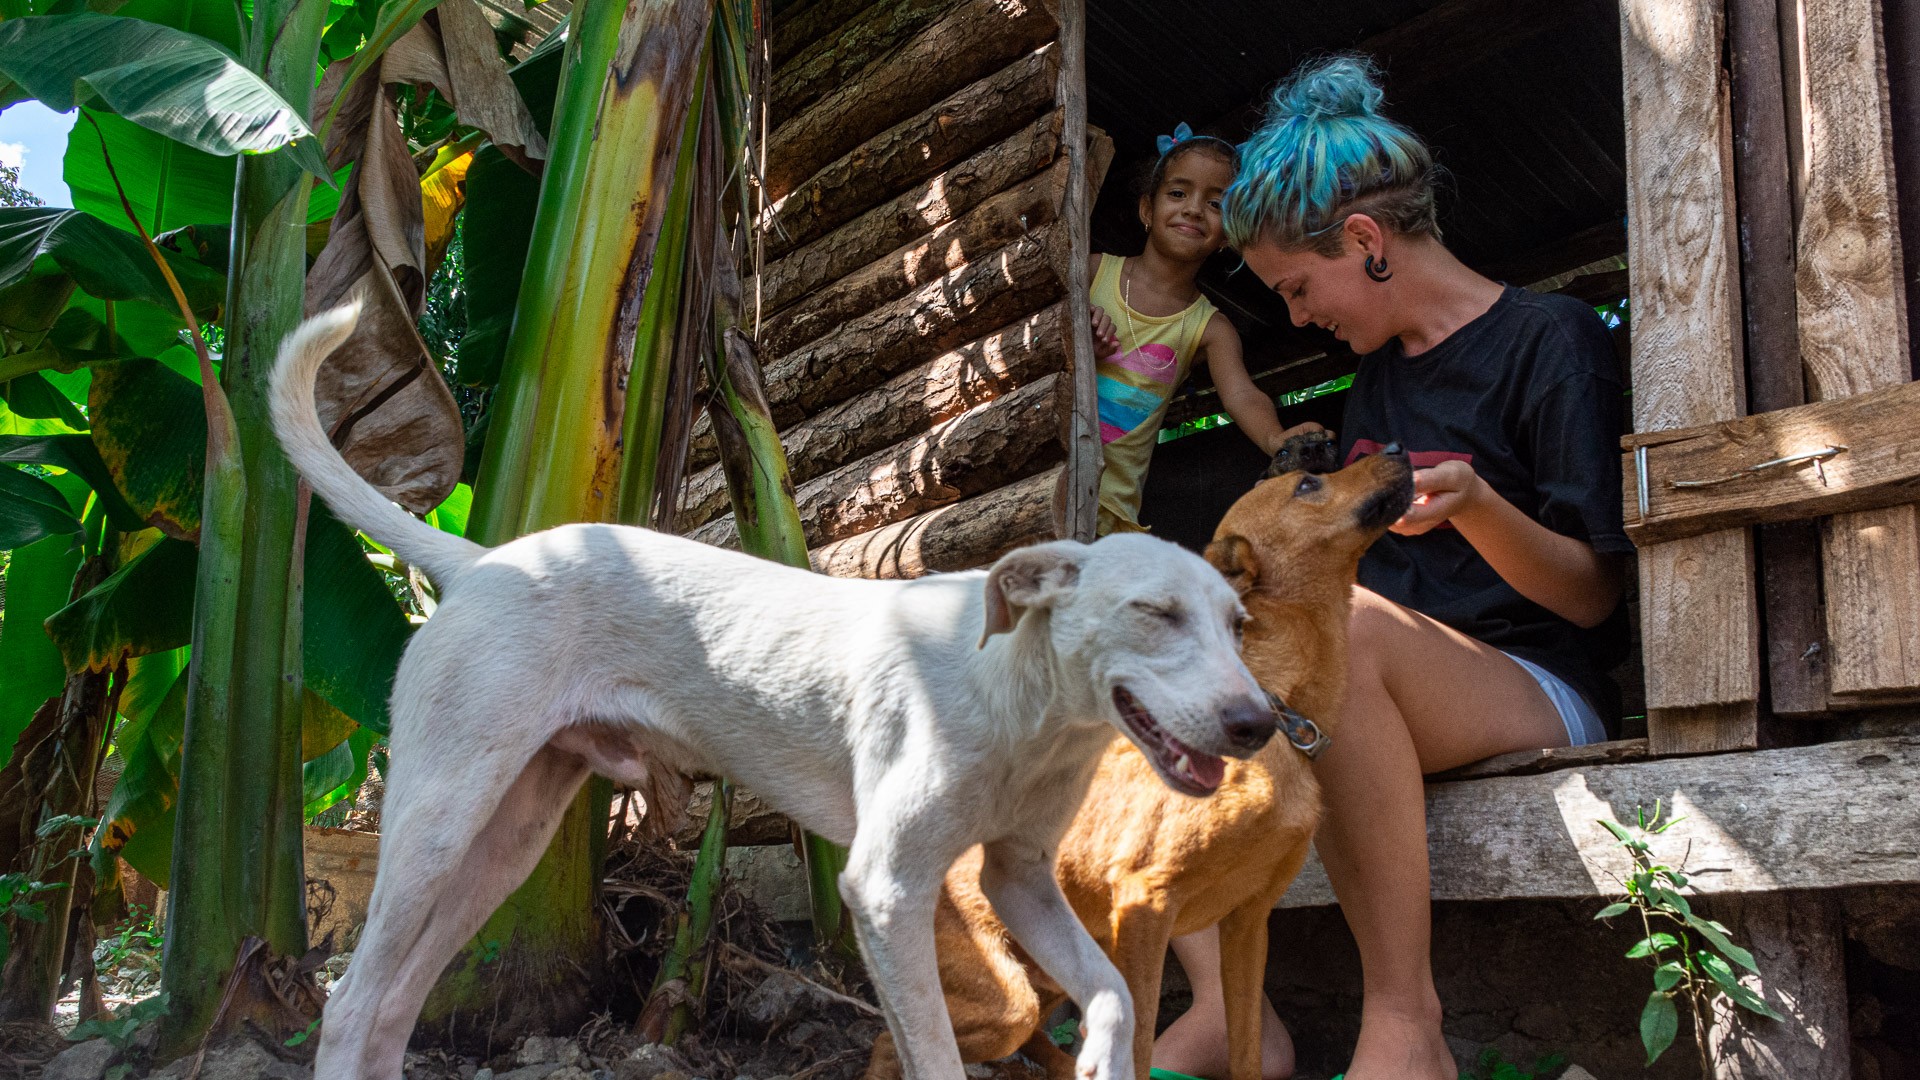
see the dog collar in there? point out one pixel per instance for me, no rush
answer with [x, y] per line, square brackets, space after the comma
[1304, 735]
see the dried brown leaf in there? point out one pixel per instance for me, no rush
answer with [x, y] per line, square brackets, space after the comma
[483, 95]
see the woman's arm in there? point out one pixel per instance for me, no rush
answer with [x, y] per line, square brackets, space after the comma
[1563, 575]
[1252, 411]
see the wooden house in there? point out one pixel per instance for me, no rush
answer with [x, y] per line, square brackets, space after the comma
[1729, 177]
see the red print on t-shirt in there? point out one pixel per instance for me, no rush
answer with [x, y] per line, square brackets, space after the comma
[1420, 459]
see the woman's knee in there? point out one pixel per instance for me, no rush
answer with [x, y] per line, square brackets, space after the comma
[1372, 628]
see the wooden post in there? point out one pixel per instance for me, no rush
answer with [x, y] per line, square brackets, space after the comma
[1853, 338]
[1080, 489]
[1795, 939]
[1903, 85]
[1789, 553]
[1700, 627]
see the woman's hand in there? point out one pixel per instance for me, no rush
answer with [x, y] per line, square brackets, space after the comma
[1448, 489]
[1105, 341]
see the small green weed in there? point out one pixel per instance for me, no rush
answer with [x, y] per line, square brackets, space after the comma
[1494, 1066]
[120, 1029]
[1693, 959]
[132, 953]
[17, 902]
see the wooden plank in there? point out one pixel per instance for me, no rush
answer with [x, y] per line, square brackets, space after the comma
[1826, 816]
[989, 292]
[999, 221]
[837, 58]
[1853, 338]
[1699, 623]
[1553, 759]
[1879, 467]
[1788, 553]
[906, 405]
[914, 150]
[1797, 942]
[976, 39]
[1902, 35]
[910, 215]
[794, 31]
[959, 537]
[1005, 440]
[1078, 513]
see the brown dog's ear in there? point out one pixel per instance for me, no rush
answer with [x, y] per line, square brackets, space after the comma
[1233, 556]
[1036, 576]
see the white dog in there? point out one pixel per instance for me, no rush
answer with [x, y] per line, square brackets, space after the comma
[909, 720]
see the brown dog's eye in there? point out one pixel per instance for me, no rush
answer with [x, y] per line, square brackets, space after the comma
[1308, 485]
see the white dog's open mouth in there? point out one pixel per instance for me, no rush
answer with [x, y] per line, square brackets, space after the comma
[1185, 769]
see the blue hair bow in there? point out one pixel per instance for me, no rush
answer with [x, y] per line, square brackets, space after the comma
[1181, 133]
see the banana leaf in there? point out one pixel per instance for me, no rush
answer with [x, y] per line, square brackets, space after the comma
[39, 580]
[169, 81]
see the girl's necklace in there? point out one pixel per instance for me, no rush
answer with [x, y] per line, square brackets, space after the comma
[1126, 301]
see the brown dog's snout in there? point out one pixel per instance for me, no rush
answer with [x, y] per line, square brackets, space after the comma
[1248, 724]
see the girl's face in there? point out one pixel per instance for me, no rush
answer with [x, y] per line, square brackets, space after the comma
[1332, 292]
[1183, 216]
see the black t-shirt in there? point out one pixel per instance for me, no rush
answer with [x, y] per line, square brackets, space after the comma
[1529, 395]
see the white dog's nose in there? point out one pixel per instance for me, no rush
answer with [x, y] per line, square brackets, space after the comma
[1248, 724]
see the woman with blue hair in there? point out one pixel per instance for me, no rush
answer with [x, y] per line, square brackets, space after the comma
[1487, 618]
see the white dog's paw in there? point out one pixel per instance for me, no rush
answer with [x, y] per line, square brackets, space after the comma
[1107, 1053]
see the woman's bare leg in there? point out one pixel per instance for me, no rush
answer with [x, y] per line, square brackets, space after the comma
[1196, 1043]
[1420, 698]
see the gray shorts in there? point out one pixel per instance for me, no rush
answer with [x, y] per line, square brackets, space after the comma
[1576, 712]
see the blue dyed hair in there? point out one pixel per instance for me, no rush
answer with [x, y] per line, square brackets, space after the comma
[1325, 152]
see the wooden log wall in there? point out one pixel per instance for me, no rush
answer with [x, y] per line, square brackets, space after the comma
[910, 307]
[1800, 122]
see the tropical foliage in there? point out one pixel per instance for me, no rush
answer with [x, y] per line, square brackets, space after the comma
[171, 594]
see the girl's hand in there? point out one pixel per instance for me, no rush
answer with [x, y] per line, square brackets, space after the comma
[1105, 341]
[1440, 493]
[1297, 429]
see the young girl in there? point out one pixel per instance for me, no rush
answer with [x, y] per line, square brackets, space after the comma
[1151, 324]
[1487, 617]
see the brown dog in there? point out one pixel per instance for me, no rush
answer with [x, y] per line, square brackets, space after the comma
[1143, 865]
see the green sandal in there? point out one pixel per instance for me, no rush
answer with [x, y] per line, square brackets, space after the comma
[1169, 1074]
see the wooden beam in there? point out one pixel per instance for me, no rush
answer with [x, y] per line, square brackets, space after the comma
[1853, 338]
[908, 404]
[1879, 466]
[1764, 50]
[1079, 509]
[1699, 622]
[837, 59]
[967, 534]
[1902, 35]
[864, 352]
[1797, 940]
[912, 214]
[1001, 442]
[1008, 216]
[914, 150]
[794, 31]
[1827, 816]
[974, 40]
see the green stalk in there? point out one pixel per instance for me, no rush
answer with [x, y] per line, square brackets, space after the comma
[556, 443]
[751, 456]
[237, 869]
[694, 923]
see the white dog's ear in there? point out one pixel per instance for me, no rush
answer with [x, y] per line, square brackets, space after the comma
[1028, 577]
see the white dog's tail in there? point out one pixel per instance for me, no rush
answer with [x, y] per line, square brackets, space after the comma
[440, 555]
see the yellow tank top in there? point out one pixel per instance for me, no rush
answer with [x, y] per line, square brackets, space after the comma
[1135, 385]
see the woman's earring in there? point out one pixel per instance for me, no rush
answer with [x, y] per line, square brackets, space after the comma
[1377, 271]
